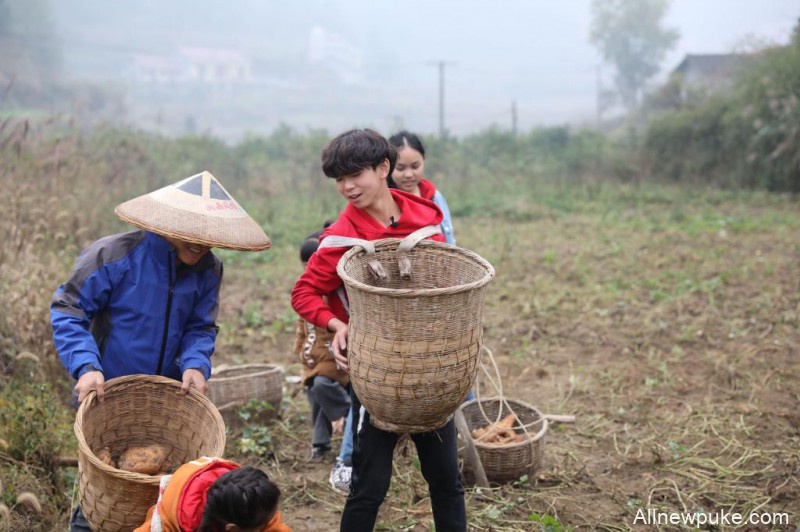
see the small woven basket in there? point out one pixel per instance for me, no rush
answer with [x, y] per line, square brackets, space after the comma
[231, 387]
[138, 410]
[508, 462]
[415, 332]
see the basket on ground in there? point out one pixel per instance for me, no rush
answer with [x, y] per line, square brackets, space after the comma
[231, 387]
[414, 341]
[508, 462]
[138, 410]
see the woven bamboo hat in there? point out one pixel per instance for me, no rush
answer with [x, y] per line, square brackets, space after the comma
[197, 210]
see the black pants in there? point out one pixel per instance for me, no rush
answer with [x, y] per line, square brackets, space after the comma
[329, 401]
[373, 450]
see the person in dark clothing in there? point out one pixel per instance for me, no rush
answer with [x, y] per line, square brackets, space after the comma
[326, 384]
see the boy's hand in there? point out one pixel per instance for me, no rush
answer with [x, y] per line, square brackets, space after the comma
[338, 426]
[193, 378]
[339, 342]
[91, 380]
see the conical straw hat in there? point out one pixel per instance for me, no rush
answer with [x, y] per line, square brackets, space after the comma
[197, 210]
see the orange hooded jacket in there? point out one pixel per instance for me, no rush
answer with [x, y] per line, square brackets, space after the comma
[182, 498]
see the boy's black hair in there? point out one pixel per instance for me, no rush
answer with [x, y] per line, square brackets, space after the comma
[352, 151]
[308, 248]
[400, 140]
[311, 243]
[403, 138]
[245, 497]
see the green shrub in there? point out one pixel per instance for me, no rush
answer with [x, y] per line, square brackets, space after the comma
[746, 138]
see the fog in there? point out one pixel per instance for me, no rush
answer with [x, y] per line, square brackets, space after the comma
[339, 63]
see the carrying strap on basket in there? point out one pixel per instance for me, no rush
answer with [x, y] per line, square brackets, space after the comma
[498, 386]
[408, 243]
[337, 241]
[403, 248]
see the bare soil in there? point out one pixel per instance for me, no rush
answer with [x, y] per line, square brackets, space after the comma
[673, 339]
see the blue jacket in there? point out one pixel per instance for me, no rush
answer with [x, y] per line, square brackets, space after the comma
[128, 309]
[447, 221]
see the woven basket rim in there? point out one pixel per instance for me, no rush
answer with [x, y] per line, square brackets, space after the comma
[414, 292]
[530, 441]
[109, 386]
[266, 369]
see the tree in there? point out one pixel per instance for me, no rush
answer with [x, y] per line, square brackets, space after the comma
[30, 52]
[630, 36]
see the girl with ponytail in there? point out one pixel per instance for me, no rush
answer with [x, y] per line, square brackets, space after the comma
[215, 495]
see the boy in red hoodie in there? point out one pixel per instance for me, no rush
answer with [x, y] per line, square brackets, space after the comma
[360, 161]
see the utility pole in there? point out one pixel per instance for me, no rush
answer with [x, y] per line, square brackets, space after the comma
[441, 65]
[514, 117]
[598, 97]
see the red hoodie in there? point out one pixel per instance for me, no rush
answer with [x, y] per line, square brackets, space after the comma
[426, 189]
[320, 277]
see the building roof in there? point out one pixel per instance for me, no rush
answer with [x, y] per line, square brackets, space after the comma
[198, 54]
[709, 65]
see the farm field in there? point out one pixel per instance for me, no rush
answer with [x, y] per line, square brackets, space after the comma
[666, 320]
[639, 201]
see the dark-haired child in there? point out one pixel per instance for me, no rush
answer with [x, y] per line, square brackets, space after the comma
[361, 161]
[214, 495]
[326, 384]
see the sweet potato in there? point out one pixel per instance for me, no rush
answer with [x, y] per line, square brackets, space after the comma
[104, 455]
[507, 422]
[499, 433]
[148, 459]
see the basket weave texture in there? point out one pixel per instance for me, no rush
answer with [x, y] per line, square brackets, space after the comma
[230, 387]
[414, 344]
[197, 209]
[138, 410]
[508, 462]
[238, 234]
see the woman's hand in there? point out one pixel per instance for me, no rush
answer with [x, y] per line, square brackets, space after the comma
[339, 342]
[91, 380]
[193, 378]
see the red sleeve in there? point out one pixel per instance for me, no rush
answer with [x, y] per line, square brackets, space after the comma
[319, 279]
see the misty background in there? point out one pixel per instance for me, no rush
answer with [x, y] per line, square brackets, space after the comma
[233, 67]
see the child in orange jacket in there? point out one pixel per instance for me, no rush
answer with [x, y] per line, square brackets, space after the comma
[215, 495]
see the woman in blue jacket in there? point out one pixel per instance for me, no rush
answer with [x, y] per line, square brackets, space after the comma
[146, 301]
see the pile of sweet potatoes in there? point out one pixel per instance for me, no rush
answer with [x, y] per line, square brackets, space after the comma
[499, 433]
[145, 459]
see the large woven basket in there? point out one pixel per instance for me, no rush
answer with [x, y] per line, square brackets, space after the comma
[414, 341]
[231, 387]
[138, 410]
[504, 463]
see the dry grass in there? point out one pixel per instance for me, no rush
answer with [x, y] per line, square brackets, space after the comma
[666, 320]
